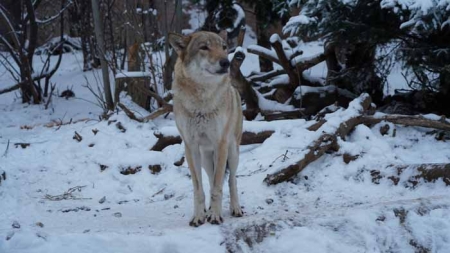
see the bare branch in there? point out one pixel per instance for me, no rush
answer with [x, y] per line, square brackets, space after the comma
[54, 17]
[9, 89]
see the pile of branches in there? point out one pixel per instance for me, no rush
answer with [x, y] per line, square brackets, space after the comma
[289, 84]
[359, 112]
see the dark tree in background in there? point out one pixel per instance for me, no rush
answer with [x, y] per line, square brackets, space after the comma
[267, 13]
[356, 32]
[81, 25]
[352, 34]
[19, 37]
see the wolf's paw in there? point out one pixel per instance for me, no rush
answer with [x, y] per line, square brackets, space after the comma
[215, 218]
[197, 220]
[236, 211]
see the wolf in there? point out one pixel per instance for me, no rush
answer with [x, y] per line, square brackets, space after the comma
[208, 115]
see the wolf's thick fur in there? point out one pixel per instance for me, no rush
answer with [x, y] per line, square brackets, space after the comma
[208, 115]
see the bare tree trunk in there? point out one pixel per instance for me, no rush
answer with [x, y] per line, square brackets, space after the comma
[101, 49]
[85, 34]
[263, 40]
[171, 58]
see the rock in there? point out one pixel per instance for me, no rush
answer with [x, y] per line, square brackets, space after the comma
[16, 224]
[154, 169]
[102, 200]
[168, 196]
[42, 235]
[9, 235]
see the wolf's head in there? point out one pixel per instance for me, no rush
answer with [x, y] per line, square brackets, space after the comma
[202, 54]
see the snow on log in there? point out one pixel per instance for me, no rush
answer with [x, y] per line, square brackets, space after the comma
[303, 62]
[263, 52]
[261, 77]
[279, 81]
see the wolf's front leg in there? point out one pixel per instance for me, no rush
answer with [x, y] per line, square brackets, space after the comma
[220, 161]
[194, 163]
[233, 161]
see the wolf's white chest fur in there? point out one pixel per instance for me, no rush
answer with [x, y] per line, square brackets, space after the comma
[201, 116]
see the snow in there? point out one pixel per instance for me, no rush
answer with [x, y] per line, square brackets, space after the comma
[419, 10]
[274, 38]
[279, 80]
[291, 26]
[301, 59]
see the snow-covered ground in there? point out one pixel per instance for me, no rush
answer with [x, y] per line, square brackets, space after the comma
[330, 207]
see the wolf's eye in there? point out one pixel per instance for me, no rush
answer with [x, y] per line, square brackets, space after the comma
[204, 47]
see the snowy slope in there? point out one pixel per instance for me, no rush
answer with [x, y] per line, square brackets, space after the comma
[329, 207]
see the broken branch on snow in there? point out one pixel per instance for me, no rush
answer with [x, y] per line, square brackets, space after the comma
[247, 139]
[327, 141]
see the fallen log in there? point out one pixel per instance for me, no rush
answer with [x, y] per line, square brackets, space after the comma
[429, 173]
[406, 120]
[164, 141]
[248, 138]
[326, 142]
[316, 150]
[255, 138]
[297, 114]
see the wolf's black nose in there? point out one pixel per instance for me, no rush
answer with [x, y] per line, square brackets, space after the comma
[224, 63]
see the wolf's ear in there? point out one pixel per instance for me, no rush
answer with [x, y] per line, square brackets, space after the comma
[178, 42]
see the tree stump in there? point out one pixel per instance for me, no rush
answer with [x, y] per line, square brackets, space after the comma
[136, 84]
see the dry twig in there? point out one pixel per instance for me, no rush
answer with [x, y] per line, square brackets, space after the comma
[66, 195]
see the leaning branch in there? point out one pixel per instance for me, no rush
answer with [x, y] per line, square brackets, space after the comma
[12, 88]
[327, 141]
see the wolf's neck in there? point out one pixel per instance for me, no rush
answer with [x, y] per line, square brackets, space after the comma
[204, 96]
